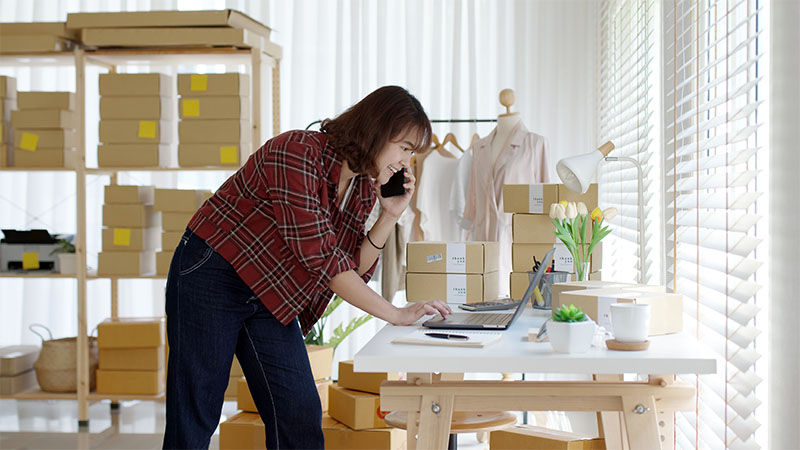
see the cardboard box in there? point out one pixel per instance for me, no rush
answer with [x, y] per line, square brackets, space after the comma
[44, 118]
[522, 256]
[163, 261]
[130, 216]
[242, 431]
[126, 263]
[20, 382]
[320, 357]
[528, 437]
[31, 138]
[222, 107]
[136, 382]
[357, 410]
[452, 288]
[140, 107]
[147, 358]
[183, 36]
[452, 257]
[30, 43]
[244, 399]
[8, 87]
[558, 288]
[49, 28]
[178, 200]
[6, 106]
[213, 131]
[213, 84]
[339, 437]
[170, 239]
[46, 100]
[363, 381]
[538, 229]
[131, 332]
[136, 84]
[211, 155]
[537, 198]
[4, 155]
[46, 157]
[236, 368]
[130, 239]
[16, 359]
[666, 310]
[175, 221]
[134, 155]
[125, 195]
[232, 389]
[136, 131]
[589, 198]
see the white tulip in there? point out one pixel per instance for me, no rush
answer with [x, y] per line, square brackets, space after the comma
[571, 211]
[582, 209]
[553, 209]
[560, 212]
[609, 213]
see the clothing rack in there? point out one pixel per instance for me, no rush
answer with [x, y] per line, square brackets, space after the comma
[432, 121]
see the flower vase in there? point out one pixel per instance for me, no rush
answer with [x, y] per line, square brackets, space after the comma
[581, 270]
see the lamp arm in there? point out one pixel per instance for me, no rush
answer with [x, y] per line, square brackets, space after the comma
[639, 204]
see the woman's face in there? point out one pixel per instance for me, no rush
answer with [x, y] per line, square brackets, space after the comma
[395, 155]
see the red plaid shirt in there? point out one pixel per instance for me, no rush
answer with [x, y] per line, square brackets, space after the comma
[277, 222]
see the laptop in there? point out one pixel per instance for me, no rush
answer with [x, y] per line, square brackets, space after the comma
[492, 321]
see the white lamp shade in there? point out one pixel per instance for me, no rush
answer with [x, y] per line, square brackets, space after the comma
[577, 172]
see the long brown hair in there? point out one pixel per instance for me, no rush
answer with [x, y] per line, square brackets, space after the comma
[361, 132]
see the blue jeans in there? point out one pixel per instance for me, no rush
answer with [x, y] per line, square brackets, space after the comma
[212, 314]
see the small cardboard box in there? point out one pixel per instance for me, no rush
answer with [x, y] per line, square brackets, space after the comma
[4, 155]
[170, 240]
[132, 332]
[236, 368]
[136, 131]
[212, 18]
[357, 410]
[46, 157]
[213, 84]
[522, 256]
[137, 382]
[532, 228]
[46, 100]
[242, 431]
[126, 263]
[130, 239]
[16, 359]
[141, 107]
[30, 43]
[558, 288]
[537, 198]
[320, 357]
[222, 131]
[363, 381]
[49, 28]
[136, 84]
[34, 139]
[179, 200]
[452, 257]
[589, 198]
[125, 195]
[44, 118]
[244, 399]
[130, 216]
[134, 155]
[163, 261]
[21, 382]
[8, 87]
[222, 107]
[340, 437]
[211, 155]
[666, 310]
[146, 358]
[175, 221]
[528, 437]
[452, 288]
[233, 387]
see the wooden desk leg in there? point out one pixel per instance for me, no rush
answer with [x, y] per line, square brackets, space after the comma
[641, 423]
[434, 421]
[412, 419]
[610, 424]
[666, 418]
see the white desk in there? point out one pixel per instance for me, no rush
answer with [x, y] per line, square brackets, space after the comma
[424, 392]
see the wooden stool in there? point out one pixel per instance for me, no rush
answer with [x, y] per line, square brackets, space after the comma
[462, 422]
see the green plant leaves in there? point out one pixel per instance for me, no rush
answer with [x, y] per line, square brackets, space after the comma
[341, 332]
[569, 313]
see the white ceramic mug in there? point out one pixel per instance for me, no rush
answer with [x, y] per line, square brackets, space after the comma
[630, 322]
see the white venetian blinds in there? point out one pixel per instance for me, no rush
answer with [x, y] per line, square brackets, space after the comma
[627, 115]
[714, 169]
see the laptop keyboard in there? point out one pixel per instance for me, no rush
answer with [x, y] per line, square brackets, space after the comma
[486, 319]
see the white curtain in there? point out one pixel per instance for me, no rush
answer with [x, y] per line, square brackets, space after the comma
[455, 56]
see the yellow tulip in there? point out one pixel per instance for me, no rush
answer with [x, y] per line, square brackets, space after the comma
[563, 203]
[597, 214]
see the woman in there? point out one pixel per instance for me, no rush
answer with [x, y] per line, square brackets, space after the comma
[261, 259]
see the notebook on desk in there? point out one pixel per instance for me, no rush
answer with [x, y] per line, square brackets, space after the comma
[475, 339]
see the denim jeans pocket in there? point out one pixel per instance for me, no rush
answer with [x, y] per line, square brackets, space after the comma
[194, 254]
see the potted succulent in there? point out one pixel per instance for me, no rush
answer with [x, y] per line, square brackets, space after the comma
[66, 256]
[570, 330]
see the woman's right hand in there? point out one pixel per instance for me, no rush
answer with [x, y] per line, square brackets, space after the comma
[412, 312]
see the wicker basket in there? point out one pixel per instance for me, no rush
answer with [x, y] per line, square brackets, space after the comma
[56, 368]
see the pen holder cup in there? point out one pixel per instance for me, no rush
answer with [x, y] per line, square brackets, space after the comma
[546, 289]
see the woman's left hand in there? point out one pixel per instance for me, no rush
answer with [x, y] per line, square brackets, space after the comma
[394, 206]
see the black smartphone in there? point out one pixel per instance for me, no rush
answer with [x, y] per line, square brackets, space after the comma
[395, 184]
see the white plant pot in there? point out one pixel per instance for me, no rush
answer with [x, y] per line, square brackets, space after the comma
[571, 337]
[66, 264]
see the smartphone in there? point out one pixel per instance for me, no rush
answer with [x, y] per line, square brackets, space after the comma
[395, 184]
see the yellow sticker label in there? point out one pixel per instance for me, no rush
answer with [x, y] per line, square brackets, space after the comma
[147, 129]
[122, 237]
[30, 260]
[227, 154]
[199, 82]
[29, 141]
[191, 108]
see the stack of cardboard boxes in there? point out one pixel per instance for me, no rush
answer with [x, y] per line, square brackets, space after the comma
[136, 120]
[8, 103]
[215, 127]
[527, 437]
[25, 37]
[176, 206]
[455, 272]
[44, 130]
[236, 377]
[532, 230]
[16, 368]
[130, 233]
[132, 358]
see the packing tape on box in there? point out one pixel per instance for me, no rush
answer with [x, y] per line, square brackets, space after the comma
[147, 129]
[227, 154]
[536, 198]
[191, 107]
[29, 141]
[456, 258]
[30, 260]
[456, 288]
[122, 237]
[199, 82]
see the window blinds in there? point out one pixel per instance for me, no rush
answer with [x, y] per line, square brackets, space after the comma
[713, 156]
[627, 115]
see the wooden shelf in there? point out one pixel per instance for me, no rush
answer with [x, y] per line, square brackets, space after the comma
[43, 59]
[174, 56]
[35, 275]
[110, 170]
[36, 169]
[94, 397]
[38, 394]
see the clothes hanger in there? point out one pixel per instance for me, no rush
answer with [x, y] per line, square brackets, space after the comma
[439, 147]
[451, 138]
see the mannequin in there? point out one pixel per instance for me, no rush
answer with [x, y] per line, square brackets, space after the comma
[505, 123]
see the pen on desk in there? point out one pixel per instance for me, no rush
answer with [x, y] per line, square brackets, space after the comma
[447, 336]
